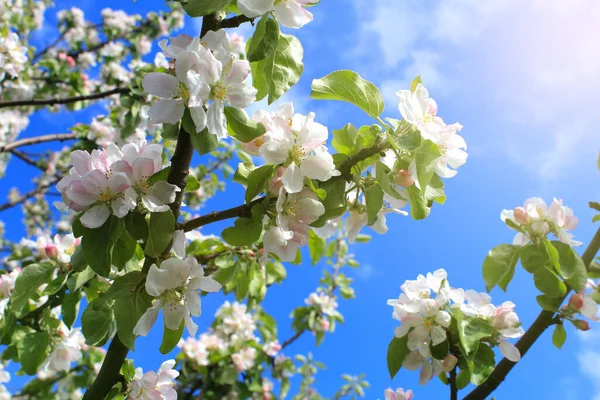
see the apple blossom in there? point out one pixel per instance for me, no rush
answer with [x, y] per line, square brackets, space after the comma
[67, 351]
[399, 394]
[244, 359]
[155, 385]
[175, 285]
[290, 13]
[58, 248]
[301, 148]
[327, 304]
[419, 109]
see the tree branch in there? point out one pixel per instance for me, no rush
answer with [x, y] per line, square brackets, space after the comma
[544, 320]
[25, 158]
[60, 137]
[109, 372]
[236, 21]
[37, 191]
[244, 210]
[453, 388]
[64, 100]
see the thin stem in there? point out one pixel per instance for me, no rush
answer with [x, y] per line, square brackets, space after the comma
[25, 158]
[60, 137]
[544, 320]
[35, 192]
[453, 388]
[64, 100]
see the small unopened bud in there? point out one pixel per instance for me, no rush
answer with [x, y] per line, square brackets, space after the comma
[576, 301]
[51, 251]
[521, 215]
[325, 324]
[251, 253]
[449, 363]
[581, 325]
[403, 178]
[433, 107]
[70, 61]
[62, 56]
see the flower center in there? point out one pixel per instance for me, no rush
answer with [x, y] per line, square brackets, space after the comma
[106, 195]
[219, 91]
[297, 153]
[184, 91]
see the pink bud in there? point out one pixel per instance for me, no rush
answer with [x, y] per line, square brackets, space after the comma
[84, 77]
[521, 215]
[449, 363]
[51, 251]
[581, 325]
[576, 301]
[71, 61]
[403, 178]
[433, 107]
[325, 324]
[276, 183]
[62, 56]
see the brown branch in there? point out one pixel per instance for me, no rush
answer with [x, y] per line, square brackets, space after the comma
[25, 158]
[544, 320]
[41, 53]
[236, 21]
[64, 100]
[35, 192]
[60, 137]
[292, 339]
[109, 372]
[244, 209]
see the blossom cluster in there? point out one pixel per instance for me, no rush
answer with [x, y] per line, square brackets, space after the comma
[290, 13]
[535, 220]
[206, 72]
[112, 180]
[426, 319]
[398, 394]
[4, 378]
[13, 55]
[584, 303]
[327, 306]
[154, 385]
[175, 284]
[66, 351]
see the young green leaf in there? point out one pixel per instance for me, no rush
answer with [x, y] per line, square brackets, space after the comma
[548, 282]
[264, 40]
[316, 246]
[96, 322]
[245, 231]
[171, 338]
[559, 336]
[128, 309]
[426, 158]
[32, 351]
[241, 127]
[572, 268]
[348, 86]
[499, 266]
[396, 352]
[28, 282]
[257, 181]
[204, 142]
[160, 234]
[374, 201]
[98, 245]
[199, 8]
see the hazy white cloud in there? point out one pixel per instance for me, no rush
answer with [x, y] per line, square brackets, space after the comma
[531, 64]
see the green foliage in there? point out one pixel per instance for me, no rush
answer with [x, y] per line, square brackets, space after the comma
[559, 336]
[277, 72]
[97, 323]
[499, 266]
[396, 352]
[32, 351]
[258, 180]
[316, 246]
[160, 233]
[199, 8]
[241, 127]
[549, 303]
[245, 231]
[98, 245]
[171, 338]
[425, 159]
[549, 283]
[481, 364]
[264, 40]
[419, 207]
[129, 306]
[374, 202]
[27, 284]
[572, 267]
[204, 142]
[471, 331]
[335, 202]
[348, 86]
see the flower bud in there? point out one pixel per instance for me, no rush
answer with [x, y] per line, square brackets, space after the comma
[576, 301]
[521, 215]
[581, 325]
[70, 61]
[449, 363]
[51, 251]
[403, 178]
[325, 324]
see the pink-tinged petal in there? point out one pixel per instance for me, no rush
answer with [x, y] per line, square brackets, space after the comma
[81, 161]
[122, 166]
[179, 243]
[95, 181]
[311, 134]
[293, 179]
[426, 373]
[146, 321]
[167, 367]
[275, 152]
[121, 207]
[240, 69]
[292, 15]
[412, 361]
[78, 196]
[193, 302]
[168, 392]
[354, 223]
[179, 272]
[309, 210]
[161, 85]
[255, 8]
[509, 351]
[390, 394]
[190, 325]
[317, 167]
[240, 95]
[215, 119]
[199, 117]
[143, 168]
[95, 217]
[166, 111]
[118, 182]
[164, 192]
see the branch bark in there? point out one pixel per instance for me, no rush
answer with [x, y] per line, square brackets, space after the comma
[109, 372]
[64, 100]
[60, 137]
[236, 21]
[544, 320]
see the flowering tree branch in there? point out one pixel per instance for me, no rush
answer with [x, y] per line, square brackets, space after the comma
[60, 137]
[35, 192]
[544, 320]
[236, 21]
[64, 100]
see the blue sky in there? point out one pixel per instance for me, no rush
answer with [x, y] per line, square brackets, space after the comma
[520, 75]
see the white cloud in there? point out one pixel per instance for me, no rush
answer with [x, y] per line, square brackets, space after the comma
[531, 66]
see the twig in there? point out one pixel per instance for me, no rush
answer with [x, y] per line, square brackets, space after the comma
[453, 388]
[37, 191]
[24, 158]
[236, 21]
[64, 100]
[60, 137]
[544, 320]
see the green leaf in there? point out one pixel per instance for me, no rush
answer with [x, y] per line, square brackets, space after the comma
[534, 257]
[463, 379]
[70, 308]
[415, 83]
[192, 184]
[28, 282]
[257, 181]
[409, 141]
[98, 245]
[482, 364]
[81, 278]
[471, 331]
[204, 142]
[345, 85]
[572, 267]
[245, 231]
[241, 127]
[346, 140]
[199, 8]
[126, 284]
[171, 338]
[277, 73]
[243, 172]
[548, 282]
[549, 303]
[55, 285]
[96, 322]
[227, 375]
[123, 250]
[335, 202]
[396, 352]
[264, 40]
[316, 246]
[161, 175]
[137, 226]
[499, 266]
[374, 200]
[418, 203]
[381, 174]
[426, 158]
[170, 131]
[32, 351]
[435, 190]
[160, 233]
[128, 309]
[559, 336]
